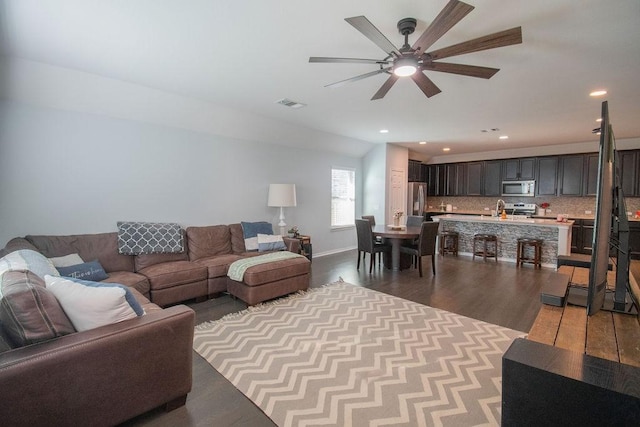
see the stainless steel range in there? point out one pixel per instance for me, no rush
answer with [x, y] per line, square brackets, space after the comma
[525, 209]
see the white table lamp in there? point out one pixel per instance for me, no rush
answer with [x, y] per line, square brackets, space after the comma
[281, 196]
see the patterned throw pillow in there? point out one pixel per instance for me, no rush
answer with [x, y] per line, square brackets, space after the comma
[86, 271]
[250, 230]
[90, 305]
[270, 242]
[136, 238]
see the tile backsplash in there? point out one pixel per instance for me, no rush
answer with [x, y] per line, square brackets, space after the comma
[557, 205]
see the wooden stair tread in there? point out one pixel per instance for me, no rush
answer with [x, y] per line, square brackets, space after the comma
[572, 332]
[628, 338]
[545, 327]
[601, 336]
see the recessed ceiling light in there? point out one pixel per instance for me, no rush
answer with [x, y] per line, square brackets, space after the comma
[503, 137]
[598, 93]
[384, 130]
[446, 149]
[422, 142]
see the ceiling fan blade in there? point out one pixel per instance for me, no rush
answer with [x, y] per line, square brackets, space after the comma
[363, 25]
[346, 60]
[452, 13]
[465, 70]
[492, 41]
[356, 78]
[425, 84]
[385, 87]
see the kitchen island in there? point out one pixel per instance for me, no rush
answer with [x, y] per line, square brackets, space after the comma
[556, 236]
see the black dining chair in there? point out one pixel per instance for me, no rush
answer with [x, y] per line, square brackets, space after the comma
[414, 220]
[367, 244]
[426, 245]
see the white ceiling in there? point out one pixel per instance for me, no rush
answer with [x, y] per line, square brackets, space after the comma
[246, 54]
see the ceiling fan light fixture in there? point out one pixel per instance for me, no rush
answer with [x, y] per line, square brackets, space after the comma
[405, 67]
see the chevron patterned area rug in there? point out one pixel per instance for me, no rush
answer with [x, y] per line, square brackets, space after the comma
[343, 355]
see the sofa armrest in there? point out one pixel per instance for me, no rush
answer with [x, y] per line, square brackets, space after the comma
[103, 376]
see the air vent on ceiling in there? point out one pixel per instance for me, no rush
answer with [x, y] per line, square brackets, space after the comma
[289, 103]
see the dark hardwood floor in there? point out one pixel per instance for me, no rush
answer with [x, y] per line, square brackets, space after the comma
[497, 293]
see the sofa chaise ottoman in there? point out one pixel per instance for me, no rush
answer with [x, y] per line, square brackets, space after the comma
[272, 279]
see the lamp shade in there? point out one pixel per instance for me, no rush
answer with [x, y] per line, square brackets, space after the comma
[282, 195]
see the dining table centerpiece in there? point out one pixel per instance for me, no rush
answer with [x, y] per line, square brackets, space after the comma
[397, 216]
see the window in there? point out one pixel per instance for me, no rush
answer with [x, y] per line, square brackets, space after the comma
[343, 197]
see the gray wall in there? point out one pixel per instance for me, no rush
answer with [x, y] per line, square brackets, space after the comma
[66, 172]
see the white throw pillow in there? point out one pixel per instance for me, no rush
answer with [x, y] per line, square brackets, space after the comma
[91, 304]
[67, 260]
[270, 242]
[27, 259]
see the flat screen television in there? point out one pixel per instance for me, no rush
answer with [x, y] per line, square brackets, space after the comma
[611, 231]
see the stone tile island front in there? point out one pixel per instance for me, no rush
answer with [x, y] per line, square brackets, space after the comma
[556, 236]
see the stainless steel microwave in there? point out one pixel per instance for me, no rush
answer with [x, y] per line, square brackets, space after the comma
[519, 188]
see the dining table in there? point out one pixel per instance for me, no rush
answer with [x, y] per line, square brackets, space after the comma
[396, 235]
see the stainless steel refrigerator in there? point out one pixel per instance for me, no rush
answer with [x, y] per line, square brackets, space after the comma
[416, 198]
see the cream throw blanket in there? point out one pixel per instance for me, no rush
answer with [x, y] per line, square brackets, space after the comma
[237, 268]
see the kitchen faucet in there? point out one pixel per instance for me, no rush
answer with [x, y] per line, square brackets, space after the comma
[499, 206]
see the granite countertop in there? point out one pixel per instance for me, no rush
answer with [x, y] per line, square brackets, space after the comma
[510, 220]
[547, 217]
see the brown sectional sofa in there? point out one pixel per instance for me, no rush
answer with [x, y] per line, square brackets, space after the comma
[107, 375]
[99, 377]
[199, 272]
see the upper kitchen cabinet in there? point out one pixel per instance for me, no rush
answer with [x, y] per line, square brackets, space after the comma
[492, 183]
[436, 180]
[455, 173]
[474, 179]
[590, 174]
[570, 175]
[547, 176]
[518, 169]
[416, 173]
[629, 164]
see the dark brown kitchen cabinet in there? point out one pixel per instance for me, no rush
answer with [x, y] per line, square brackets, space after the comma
[582, 236]
[432, 180]
[455, 173]
[518, 169]
[570, 175]
[576, 236]
[492, 183]
[590, 174]
[547, 176]
[437, 180]
[474, 179]
[629, 164]
[415, 171]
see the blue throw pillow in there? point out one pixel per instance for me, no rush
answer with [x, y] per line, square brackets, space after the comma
[250, 231]
[91, 270]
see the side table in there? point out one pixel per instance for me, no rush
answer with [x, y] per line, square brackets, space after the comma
[305, 246]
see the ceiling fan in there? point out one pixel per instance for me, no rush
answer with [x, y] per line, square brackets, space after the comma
[413, 60]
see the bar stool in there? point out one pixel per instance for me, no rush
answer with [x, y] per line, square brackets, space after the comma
[536, 245]
[449, 242]
[488, 248]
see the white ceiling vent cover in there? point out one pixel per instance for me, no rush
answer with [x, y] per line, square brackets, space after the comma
[289, 103]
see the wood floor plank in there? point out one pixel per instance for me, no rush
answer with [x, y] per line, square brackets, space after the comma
[628, 338]
[601, 336]
[572, 332]
[545, 327]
